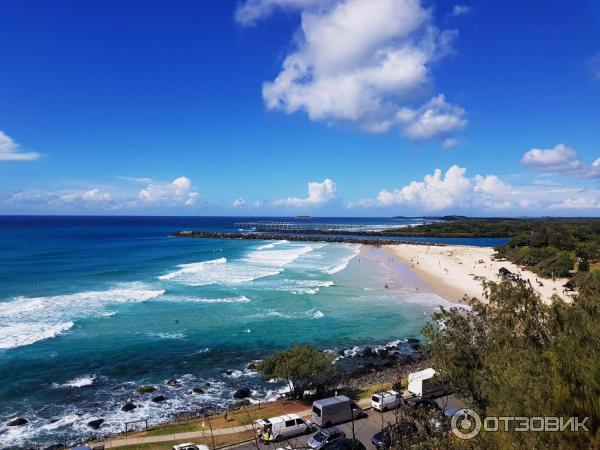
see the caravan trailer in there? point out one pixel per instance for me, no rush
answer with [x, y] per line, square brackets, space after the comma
[421, 384]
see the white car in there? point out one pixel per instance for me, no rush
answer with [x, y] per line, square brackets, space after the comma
[386, 400]
[190, 446]
[283, 427]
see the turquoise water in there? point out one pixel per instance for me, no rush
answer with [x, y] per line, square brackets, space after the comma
[87, 304]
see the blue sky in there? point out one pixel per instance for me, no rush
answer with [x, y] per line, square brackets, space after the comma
[322, 107]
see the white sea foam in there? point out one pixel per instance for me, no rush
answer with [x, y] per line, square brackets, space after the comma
[318, 315]
[240, 299]
[26, 320]
[255, 264]
[273, 244]
[298, 287]
[342, 265]
[77, 382]
[166, 336]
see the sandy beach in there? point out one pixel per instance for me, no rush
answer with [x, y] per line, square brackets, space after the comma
[455, 271]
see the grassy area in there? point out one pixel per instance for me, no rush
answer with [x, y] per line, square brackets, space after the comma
[173, 428]
[367, 392]
[243, 416]
[219, 441]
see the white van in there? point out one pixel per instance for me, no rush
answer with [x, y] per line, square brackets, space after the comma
[334, 410]
[386, 400]
[283, 427]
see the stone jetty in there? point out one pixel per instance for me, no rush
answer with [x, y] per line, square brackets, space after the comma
[257, 236]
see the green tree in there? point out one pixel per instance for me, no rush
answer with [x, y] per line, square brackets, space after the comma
[514, 355]
[299, 365]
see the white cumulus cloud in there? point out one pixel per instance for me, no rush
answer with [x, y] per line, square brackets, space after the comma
[455, 192]
[10, 150]
[88, 197]
[560, 160]
[239, 203]
[179, 191]
[435, 192]
[362, 62]
[460, 10]
[435, 118]
[318, 194]
[251, 11]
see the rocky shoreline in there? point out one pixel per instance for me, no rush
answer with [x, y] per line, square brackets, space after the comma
[259, 236]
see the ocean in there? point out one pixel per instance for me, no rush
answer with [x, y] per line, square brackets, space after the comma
[91, 308]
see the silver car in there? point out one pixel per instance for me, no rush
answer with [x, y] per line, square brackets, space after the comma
[326, 438]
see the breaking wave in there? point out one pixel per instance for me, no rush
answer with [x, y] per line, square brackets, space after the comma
[263, 262]
[26, 320]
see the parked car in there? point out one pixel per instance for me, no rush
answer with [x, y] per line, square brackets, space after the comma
[283, 427]
[422, 403]
[347, 444]
[442, 422]
[386, 400]
[382, 440]
[326, 438]
[334, 410]
[190, 446]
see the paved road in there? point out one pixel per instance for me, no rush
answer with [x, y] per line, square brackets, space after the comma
[364, 430]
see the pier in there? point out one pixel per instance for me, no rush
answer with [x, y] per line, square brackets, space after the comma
[302, 226]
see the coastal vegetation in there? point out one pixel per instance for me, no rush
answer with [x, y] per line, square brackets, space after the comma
[517, 356]
[300, 365]
[551, 247]
[550, 227]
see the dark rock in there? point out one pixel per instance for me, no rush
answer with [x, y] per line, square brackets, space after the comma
[159, 398]
[417, 356]
[207, 384]
[172, 382]
[120, 387]
[197, 390]
[252, 366]
[18, 422]
[229, 372]
[95, 424]
[341, 352]
[413, 341]
[367, 352]
[242, 393]
[128, 407]
[146, 389]
[382, 353]
[403, 359]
